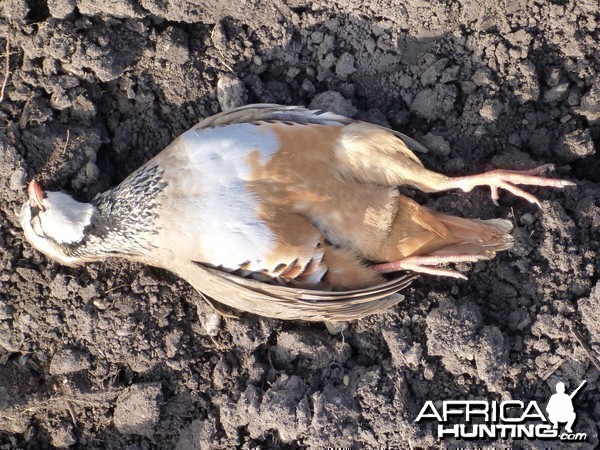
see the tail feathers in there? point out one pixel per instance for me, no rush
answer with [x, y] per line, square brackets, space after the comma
[417, 231]
[475, 237]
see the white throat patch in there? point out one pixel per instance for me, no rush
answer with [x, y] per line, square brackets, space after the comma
[64, 218]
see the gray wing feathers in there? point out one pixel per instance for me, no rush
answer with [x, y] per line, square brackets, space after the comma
[265, 112]
[283, 302]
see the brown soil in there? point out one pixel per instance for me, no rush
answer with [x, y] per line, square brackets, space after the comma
[116, 355]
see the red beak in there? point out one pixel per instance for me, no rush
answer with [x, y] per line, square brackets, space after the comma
[36, 195]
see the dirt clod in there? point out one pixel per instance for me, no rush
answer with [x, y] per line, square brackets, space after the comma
[68, 361]
[137, 409]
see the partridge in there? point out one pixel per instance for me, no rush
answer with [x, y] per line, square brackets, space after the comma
[280, 211]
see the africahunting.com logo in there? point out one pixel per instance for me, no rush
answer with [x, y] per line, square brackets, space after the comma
[482, 419]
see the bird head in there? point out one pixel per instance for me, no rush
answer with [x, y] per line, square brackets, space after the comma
[55, 223]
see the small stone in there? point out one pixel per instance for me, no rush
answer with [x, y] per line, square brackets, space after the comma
[103, 41]
[527, 219]
[565, 118]
[257, 60]
[212, 324]
[67, 361]
[101, 303]
[336, 328]
[137, 410]
[230, 92]
[60, 100]
[429, 373]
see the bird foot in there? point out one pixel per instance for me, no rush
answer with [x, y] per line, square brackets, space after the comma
[507, 179]
[425, 264]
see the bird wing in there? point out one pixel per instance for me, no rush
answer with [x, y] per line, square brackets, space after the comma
[270, 112]
[289, 303]
[367, 153]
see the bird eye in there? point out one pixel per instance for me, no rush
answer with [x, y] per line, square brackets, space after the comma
[36, 224]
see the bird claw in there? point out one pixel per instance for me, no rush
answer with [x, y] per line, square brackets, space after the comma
[495, 195]
[508, 179]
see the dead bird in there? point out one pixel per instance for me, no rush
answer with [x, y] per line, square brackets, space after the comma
[281, 211]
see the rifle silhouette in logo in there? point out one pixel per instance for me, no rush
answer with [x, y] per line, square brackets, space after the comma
[560, 407]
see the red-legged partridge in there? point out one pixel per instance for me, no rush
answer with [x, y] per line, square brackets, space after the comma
[280, 211]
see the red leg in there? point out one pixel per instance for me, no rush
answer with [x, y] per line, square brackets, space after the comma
[507, 179]
[423, 264]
